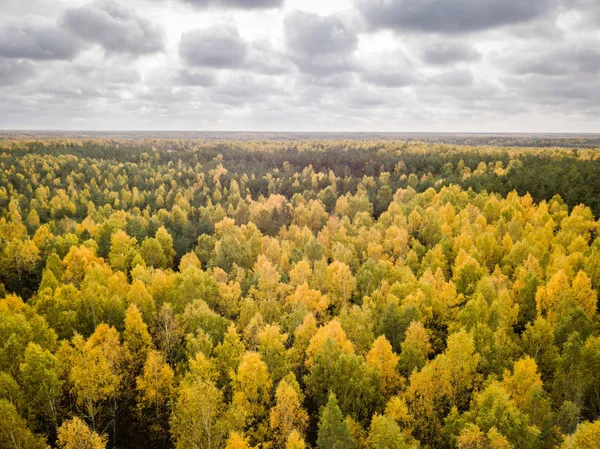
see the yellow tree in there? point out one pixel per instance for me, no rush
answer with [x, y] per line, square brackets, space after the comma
[552, 298]
[251, 392]
[123, 250]
[524, 383]
[585, 297]
[287, 415]
[295, 441]
[200, 418]
[96, 371]
[156, 390]
[586, 436]
[382, 358]
[340, 283]
[75, 434]
[332, 330]
[415, 348]
[314, 300]
[271, 346]
[136, 340]
[238, 440]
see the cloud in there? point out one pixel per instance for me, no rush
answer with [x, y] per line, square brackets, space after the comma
[240, 4]
[450, 16]
[319, 44]
[454, 78]
[239, 89]
[36, 40]
[216, 46]
[581, 57]
[444, 53]
[14, 72]
[196, 78]
[115, 28]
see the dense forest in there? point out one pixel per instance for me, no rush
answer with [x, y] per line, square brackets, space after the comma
[288, 294]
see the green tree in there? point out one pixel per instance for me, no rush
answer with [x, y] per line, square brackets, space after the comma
[333, 431]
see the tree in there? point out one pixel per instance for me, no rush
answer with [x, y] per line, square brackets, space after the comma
[340, 283]
[75, 434]
[200, 418]
[166, 243]
[333, 431]
[586, 436]
[14, 432]
[471, 437]
[331, 331]
[156, 390]
[96, 373]
[415, 349]
[136, 340]
[41, 384]
[237, 441]
[295, 441]
[287, 415]
[123, 250]
[228, 355]
[495, 409]
[153, 253]
[252, 392]
[20, 256]
[382, 358]
[585, 296]
[385, 433]
[271, 347]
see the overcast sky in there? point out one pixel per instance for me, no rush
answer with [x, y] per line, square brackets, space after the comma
[301, 65]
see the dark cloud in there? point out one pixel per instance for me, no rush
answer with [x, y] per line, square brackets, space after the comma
[14, 72]
[450, 16]
[217, 46]
[240, 4]
[38, 41]
[114, 27]
[444, 53]
[319, 44]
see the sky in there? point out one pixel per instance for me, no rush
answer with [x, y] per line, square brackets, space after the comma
[301, 65]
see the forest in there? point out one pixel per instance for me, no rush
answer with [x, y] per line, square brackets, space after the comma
[298, 293]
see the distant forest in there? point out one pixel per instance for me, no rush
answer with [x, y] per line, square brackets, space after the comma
[283, 293]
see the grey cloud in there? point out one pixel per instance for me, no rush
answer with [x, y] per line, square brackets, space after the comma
[389, 69]
[115, 28]
[217, 46]
[388, 78]
[38, 41]
[240, 4]
[319, 44]
[264, 59]
[14, 72]
[450, 16]
[196, 78]
[570, 58]
[245, 89]
[444, 53]
[568, 92]
[454, 78]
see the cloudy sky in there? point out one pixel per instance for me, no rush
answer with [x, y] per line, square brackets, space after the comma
[301, 65]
